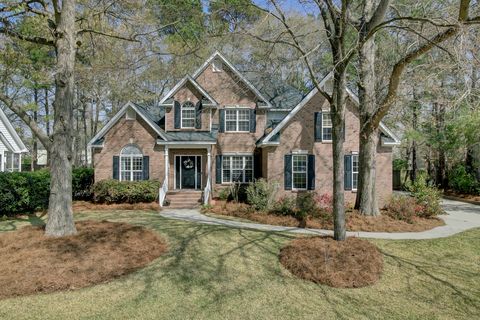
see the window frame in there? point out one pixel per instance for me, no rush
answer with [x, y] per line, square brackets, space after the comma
[330, 126]
[231, 169]
[11, 157]
[131, 157]
[300, 172]
[237, 119]
[355, 185]
[183, 108]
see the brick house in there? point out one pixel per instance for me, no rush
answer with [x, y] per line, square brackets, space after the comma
[220, 126]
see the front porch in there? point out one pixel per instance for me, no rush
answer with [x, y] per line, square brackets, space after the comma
[188, 174]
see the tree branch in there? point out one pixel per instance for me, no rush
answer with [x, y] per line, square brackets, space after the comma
[107, 35]
[37, 40]
[22, 114]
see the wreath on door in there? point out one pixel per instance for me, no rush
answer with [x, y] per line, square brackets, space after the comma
[188, 164]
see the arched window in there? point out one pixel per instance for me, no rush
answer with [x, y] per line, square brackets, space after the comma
[131, 164]
[188, 115]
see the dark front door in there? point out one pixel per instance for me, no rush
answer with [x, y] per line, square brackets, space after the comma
[187, 170]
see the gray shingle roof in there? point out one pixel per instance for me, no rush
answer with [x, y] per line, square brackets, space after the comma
[192, 136]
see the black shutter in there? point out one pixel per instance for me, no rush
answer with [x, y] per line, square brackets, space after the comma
[311, 172]
[318, 126]
[288, 172]
[176, 114]
[257, 165]
[348, 172]
[222, 121]
[146, 167]
[115, 167]
[218, 169]
[253, 120]
[198, 115]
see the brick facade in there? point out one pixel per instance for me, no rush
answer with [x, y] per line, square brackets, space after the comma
[228, 90]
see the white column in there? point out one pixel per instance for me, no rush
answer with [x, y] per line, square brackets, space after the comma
[2, 161]
[167, 165]
[209, 165]
[19, 162]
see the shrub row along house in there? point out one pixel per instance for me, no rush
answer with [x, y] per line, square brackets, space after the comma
[11, 146]
[220, 126]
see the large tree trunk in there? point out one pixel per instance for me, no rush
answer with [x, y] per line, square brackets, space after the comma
[47, 123]
[441, 163]
[366, 199]
[60, 216]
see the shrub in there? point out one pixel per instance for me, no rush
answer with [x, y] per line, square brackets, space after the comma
[285, 206]
[462, 181]
[306, 205]
[27, 192]
[403, 208]
[82, 183]
[235, 192]
[23, 192]
[426, 196]
[325, 203]
[114, 191]
[261, 194]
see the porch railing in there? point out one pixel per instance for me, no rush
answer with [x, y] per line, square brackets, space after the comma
[162, 192]
[206, 192]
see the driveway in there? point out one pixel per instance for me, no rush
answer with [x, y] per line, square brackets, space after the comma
[461, 216]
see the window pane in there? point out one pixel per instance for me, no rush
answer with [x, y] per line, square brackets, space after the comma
[354, 171]
[231, 126]
[125, 176]
[231, 115]
[226, 169]
[137, 163]
[326, 120]
[8, 161]
[16, 162]
[126, 163]
[300, 163]
[327, 127]
[131, 150]
[354, 180]
[137, 176]
[299, 180]
[237, 169]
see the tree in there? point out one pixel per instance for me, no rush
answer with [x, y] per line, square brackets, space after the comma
[371, 112]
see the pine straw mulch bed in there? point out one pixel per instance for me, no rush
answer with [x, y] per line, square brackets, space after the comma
[32, 263]
[355, 221]
[79, 206]
[352, 263]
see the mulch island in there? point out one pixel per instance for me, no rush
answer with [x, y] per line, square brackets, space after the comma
[100, 251]
[355, 221]
[352, 263]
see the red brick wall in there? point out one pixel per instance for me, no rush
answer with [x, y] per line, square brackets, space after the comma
[299, 135]
[126, 132]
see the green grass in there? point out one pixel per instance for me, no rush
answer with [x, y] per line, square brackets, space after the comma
[214, 272]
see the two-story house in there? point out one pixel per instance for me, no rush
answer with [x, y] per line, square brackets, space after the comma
[219, 126]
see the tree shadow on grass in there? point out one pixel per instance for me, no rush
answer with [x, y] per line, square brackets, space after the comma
[12, 224]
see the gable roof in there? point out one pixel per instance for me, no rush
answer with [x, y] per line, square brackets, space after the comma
[218, 55]
[97, 140]
[181, 83]
[18, 145]
[267, 140]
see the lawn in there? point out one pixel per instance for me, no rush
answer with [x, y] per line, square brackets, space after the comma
[214, 272]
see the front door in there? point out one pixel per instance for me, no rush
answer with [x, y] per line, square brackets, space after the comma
[188, 172]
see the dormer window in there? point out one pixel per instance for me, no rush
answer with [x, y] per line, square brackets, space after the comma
[188, 115]
[217, 66]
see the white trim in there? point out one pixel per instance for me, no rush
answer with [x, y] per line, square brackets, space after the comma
[243, 156]
[217, 54]
[237, 120]
[8, 125]
[195, 84]
[306, 171]
[6, 143]
[357, 172]
[308, 97]
[184, 143]
[181, 115]
[117, 117]
[237, 106]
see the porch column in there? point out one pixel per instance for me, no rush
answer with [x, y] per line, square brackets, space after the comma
[209, 166]
[2, 161]
[167, 166]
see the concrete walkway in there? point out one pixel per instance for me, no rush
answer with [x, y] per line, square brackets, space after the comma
[461, 216]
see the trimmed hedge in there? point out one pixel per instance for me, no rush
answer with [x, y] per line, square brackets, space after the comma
[28, 192]
[114, 191]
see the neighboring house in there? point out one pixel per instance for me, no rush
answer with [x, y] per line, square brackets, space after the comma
[220, 126]
[11, 146]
